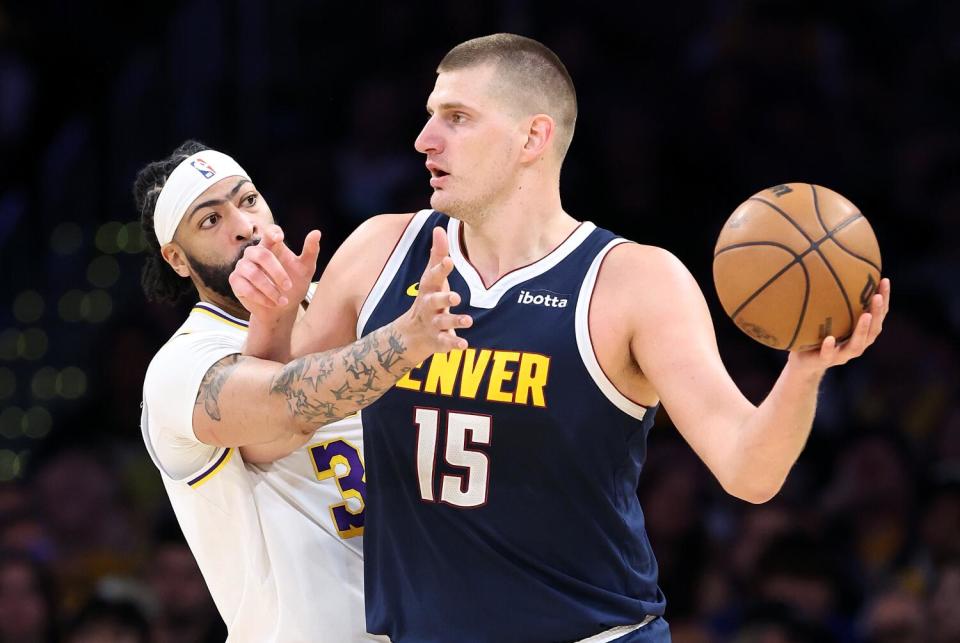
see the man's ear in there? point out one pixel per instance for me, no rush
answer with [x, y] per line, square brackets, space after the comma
[174, 255]
[540, 134]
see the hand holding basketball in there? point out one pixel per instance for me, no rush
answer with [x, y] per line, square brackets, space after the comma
[797, 267]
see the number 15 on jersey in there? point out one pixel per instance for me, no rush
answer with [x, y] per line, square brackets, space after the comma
[462, 431]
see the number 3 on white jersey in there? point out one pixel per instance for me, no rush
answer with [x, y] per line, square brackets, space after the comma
[468, 490]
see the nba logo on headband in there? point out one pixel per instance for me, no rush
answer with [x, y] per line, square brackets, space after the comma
[201, 166]
[188, 181]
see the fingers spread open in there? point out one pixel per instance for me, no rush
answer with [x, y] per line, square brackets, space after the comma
[449, 321]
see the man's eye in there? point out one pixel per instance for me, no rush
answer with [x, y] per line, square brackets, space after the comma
[210, 221]
[250, 200]
[457, 117]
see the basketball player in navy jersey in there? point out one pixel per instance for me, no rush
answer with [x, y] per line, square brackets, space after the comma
[502, 478]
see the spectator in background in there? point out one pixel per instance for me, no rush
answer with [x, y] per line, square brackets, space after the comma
[894, 616]
[28, 612]
[799, 572]
[102, 621]
[75, 493]
[944, 606]
[185, 611]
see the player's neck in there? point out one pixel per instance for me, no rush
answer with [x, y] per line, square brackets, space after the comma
[516, 234]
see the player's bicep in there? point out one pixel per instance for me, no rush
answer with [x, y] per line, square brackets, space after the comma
[234, 406]
[675, 346]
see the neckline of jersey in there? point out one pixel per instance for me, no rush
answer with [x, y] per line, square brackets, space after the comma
[214, 311]
[482, 296]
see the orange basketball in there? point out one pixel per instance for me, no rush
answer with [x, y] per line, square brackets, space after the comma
[794, 264]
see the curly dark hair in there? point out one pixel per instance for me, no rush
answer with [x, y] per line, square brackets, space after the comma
[160, 282]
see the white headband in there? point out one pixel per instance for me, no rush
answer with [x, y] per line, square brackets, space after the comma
[188, 181]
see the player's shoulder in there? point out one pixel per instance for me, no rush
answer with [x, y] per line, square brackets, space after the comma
[641, 276]
[376, 236]
[382, 228]
[636, 260]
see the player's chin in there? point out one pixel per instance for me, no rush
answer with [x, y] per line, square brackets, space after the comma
[439, 200]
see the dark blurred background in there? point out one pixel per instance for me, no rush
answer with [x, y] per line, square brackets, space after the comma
[686, 109]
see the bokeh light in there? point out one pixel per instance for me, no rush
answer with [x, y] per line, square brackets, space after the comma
[11, 422]
[103, 271]
[32, 344]
[96, 306]
[8, 383]
[9, 343]
[130, 238]
[106, 239]
[71, 383]
[44, 383]
[9, 465]
[66, 238]
[28, 306]
[69, 306]
[36, 422]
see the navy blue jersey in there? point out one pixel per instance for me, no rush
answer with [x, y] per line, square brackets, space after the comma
[502, 479]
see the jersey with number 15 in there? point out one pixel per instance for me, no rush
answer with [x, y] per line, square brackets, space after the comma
[503, 477]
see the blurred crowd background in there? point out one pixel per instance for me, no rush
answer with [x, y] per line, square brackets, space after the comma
[686, 109]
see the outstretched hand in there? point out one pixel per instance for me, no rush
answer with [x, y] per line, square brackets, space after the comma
[864, 334]
[270, 278]
[429, 321]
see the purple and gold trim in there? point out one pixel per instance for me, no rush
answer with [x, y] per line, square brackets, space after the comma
[214, 468]
[214, 312]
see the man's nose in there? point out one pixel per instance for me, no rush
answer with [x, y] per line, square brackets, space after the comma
[429, 141]
[245, 225]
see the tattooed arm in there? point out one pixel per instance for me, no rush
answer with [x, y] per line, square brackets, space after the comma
[245, 400]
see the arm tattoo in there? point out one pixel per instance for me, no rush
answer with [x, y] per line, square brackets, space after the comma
[212, 384]
[325, 387]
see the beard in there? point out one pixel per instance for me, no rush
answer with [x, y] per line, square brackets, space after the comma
[216, 277]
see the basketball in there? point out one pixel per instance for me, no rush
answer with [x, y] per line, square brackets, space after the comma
[796, 263]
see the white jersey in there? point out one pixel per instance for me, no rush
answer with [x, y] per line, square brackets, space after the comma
[280, 545]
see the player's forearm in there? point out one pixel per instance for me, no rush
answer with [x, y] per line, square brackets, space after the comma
[271, 337]
[771, 438]
[321, 388]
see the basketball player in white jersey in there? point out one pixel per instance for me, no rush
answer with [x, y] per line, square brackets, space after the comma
[500, 120]
[279, 545]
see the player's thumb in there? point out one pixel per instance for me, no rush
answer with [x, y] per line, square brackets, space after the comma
[311, 249]
[440, 247]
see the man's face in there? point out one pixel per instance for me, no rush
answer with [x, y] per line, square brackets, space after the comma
[218, 226]
[472, 141]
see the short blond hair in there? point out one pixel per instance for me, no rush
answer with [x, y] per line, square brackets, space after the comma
[529, 72]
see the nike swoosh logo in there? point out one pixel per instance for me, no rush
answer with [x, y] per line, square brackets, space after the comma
[413, 289]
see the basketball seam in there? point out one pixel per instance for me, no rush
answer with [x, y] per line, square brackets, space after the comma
[840, 226]
[803, 309]
[816, 246]
[759, 290]
[785, 216]
[847, 250]
[843, 291]
[816, 208]
[746, 244]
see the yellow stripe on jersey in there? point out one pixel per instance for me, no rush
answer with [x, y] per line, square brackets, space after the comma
[220, 318]
[212, 471]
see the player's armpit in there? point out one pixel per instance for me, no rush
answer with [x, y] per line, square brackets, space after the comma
[672, 340]
[269, 451]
